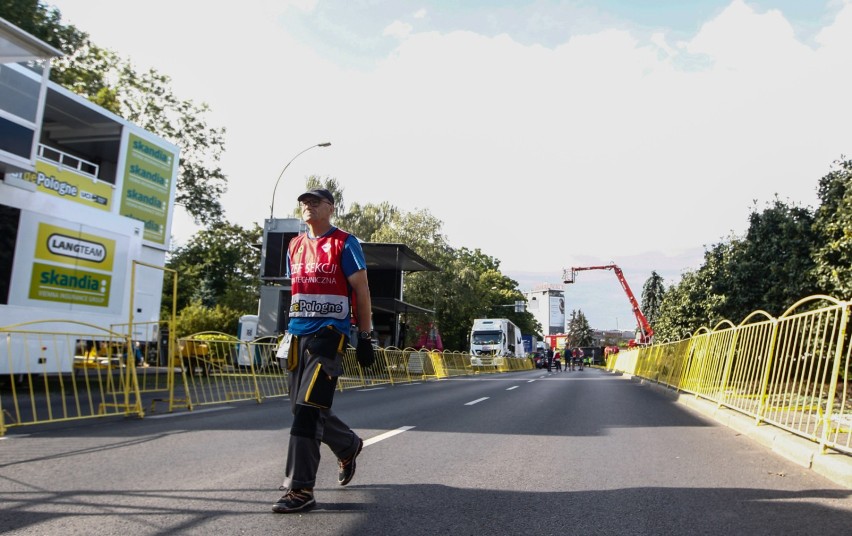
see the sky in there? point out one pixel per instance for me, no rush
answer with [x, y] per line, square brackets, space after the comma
[549, 134]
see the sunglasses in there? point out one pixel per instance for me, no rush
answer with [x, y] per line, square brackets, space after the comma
[313, 202]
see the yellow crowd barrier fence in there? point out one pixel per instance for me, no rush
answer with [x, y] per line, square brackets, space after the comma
[85, 371]
[792, 372]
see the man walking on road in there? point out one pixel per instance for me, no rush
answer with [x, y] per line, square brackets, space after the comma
[328, 273]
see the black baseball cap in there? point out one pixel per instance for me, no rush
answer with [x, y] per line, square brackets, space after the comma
[321, 193]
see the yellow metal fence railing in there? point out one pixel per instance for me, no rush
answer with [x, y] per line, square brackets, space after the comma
[60, 370]
[86, 372]
[792, 372]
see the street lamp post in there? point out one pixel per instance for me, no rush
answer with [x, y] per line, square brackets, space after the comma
[272, 203]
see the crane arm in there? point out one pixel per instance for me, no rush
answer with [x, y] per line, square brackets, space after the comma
[644, 325]
[647, 331]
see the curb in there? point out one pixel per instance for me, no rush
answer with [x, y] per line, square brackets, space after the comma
[834, 466]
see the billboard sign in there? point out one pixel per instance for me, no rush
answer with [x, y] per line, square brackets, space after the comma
[148, 181]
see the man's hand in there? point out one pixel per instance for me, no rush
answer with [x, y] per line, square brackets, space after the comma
[364, 352]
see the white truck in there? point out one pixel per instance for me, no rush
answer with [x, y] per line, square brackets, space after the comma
[494, 337]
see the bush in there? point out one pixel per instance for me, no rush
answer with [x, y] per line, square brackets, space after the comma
[196, 318]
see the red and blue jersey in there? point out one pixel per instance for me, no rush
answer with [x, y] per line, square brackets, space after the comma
[318, 269]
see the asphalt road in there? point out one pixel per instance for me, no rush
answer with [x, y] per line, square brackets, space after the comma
[526, 453]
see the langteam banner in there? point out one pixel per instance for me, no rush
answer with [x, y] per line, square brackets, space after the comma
[62, 276]
[147, 184]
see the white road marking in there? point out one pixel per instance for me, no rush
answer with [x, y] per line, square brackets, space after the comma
[477, 401]
[386, 435]
[512, 387]
[193, 412]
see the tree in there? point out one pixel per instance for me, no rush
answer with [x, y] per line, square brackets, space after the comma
[771, 267]
[454, 292]
[833, 225]
[219, 266]
[145, 99]
[468, 285]
[683, 309]
[652, 297]
[579, 330]
[44, 23]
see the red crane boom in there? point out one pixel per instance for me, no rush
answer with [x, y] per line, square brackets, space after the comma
[644, 325]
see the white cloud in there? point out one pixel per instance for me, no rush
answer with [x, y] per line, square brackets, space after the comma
[398, 29]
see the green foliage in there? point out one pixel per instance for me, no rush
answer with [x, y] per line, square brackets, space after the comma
[366, 221]
[43, 22]
[469, 284]
[453, 292]
[579, 331]
[652, 297]
[833, 225]
[684, 307]
[195, 318]
[219, 266]
[769, 269]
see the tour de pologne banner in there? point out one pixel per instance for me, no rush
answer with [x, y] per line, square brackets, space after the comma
[147, 185]
[67, 184]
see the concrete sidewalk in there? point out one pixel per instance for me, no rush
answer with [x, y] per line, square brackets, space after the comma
[834, 466]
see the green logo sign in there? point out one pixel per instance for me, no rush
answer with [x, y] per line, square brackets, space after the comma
[69, 285]
[147, 186]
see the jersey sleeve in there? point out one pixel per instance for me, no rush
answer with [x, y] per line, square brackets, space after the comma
[353, 256]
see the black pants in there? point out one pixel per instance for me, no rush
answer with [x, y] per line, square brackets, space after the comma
[312, 425]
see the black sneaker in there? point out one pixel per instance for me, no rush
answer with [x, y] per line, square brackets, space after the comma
[295, 500]
[347, 466]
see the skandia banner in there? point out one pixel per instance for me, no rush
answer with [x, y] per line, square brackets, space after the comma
[71, 266]
[69, 285]
[147, 186]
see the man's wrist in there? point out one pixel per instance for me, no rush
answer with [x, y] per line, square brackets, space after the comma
[364, 335]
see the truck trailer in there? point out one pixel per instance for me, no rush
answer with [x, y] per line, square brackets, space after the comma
[495, 337]
[86, 225]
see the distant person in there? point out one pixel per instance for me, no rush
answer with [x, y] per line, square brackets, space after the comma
[137, 354]
[549, 358]
[557, 360]
[326, 266]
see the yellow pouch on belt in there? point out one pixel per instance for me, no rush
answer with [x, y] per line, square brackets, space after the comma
[293, 352]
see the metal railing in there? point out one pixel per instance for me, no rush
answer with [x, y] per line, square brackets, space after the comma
[65, 370]
[792, 372]
[74, 381]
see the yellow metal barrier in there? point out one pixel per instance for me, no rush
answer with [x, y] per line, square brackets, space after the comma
[62, 370]
[218, 368]
[93, 372]
[792, 372]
